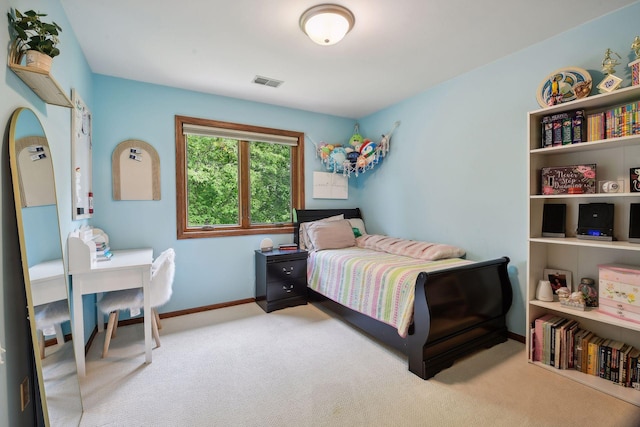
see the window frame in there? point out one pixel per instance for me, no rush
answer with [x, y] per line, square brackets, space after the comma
[245, 227]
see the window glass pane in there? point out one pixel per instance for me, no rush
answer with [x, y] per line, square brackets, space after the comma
[212, 181]
[270, 176]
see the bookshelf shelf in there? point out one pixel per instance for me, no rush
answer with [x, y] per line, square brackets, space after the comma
[589, 314]
[623, 393]
[614, 157]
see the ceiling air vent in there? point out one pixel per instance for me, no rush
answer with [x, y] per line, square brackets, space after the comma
[266, 81]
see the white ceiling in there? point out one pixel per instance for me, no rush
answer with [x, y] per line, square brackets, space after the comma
[396, 48]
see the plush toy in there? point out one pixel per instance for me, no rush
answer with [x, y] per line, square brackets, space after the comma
[355, 140]
[324, 151]
[361, 162]
[353, 156]
[368, 148]
[337, 158]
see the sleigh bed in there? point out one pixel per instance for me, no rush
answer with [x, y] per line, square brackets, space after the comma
[454, 306]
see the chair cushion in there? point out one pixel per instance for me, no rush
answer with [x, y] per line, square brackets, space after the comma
[51, 314]
[121, 300]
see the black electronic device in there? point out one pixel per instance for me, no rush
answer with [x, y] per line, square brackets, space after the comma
[595, 221]
[634, 223]
[554, 219]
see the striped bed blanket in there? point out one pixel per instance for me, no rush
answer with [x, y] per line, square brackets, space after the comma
[378, 284]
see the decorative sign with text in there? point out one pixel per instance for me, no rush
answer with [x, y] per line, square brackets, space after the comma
[577, 179]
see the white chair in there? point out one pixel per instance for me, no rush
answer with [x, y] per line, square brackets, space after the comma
[49, 319]
[161, 284]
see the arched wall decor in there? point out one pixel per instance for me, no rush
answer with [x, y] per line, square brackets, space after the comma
[35, 170]
[135, 171]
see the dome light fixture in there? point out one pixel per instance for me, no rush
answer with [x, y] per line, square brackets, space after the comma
[327, 24]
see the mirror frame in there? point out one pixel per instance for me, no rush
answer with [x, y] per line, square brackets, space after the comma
[13, 160]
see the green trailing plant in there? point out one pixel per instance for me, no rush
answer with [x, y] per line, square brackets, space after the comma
[31, 33]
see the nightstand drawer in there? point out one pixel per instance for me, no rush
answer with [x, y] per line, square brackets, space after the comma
[293, 287]
[281, 279]
[286, 270]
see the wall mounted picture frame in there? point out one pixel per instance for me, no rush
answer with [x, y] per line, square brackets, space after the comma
[558, 278]
[81, 159]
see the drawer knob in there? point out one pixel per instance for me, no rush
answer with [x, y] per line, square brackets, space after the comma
[287, 288]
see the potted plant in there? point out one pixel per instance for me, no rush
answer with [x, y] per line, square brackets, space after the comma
[35, 38]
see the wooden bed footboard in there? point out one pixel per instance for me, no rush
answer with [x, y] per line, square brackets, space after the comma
[458, 311]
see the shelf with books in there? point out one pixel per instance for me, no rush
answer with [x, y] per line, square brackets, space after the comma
[602, 144]
[613, 158]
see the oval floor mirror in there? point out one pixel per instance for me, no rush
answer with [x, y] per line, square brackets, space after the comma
[44, 270]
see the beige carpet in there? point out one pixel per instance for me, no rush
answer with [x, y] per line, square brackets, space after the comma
[239, 366]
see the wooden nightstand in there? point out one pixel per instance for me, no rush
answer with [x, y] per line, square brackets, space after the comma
[281, 279]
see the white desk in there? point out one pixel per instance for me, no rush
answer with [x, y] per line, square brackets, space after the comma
[48, 282]
[127, 269]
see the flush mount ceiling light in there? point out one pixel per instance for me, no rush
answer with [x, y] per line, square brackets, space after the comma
[327, 24]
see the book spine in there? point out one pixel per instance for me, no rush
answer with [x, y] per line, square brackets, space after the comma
[578, 127]
[567, 137]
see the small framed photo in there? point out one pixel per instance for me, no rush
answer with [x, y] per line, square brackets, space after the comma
[558, 279]
[609, 84]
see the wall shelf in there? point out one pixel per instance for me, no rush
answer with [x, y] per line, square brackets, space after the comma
[43, 84]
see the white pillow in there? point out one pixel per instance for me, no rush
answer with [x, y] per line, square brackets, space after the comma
[359, 224]
[303, 238]
[331, 235]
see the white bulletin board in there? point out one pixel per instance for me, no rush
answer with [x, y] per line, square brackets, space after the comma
[81, 158]
[328, 185]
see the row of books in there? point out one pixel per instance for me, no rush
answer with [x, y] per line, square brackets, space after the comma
[103, 252]
[288, 247]
[563, 129]
[573, 127]
[623, 120]
[561, 343]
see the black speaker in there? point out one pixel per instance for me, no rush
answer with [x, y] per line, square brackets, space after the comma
[554, 219]
[634, 223]
[595, 221]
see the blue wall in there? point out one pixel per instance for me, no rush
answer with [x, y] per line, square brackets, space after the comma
[208, 271]
[457, 172]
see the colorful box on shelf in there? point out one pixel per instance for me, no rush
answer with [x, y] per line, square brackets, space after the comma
[575, 179]
[618, 291]
[620, 311]
[620, 273]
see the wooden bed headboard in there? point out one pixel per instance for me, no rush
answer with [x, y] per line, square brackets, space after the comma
[306, 215]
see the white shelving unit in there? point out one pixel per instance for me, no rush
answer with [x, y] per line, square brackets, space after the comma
[614, 158]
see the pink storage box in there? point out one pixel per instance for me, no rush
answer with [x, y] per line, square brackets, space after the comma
[620, 313]
[627, 274]
[619, 305]
[616, 292]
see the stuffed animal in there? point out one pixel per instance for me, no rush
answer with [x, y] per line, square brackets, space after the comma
[337, 158]
[368, 148]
